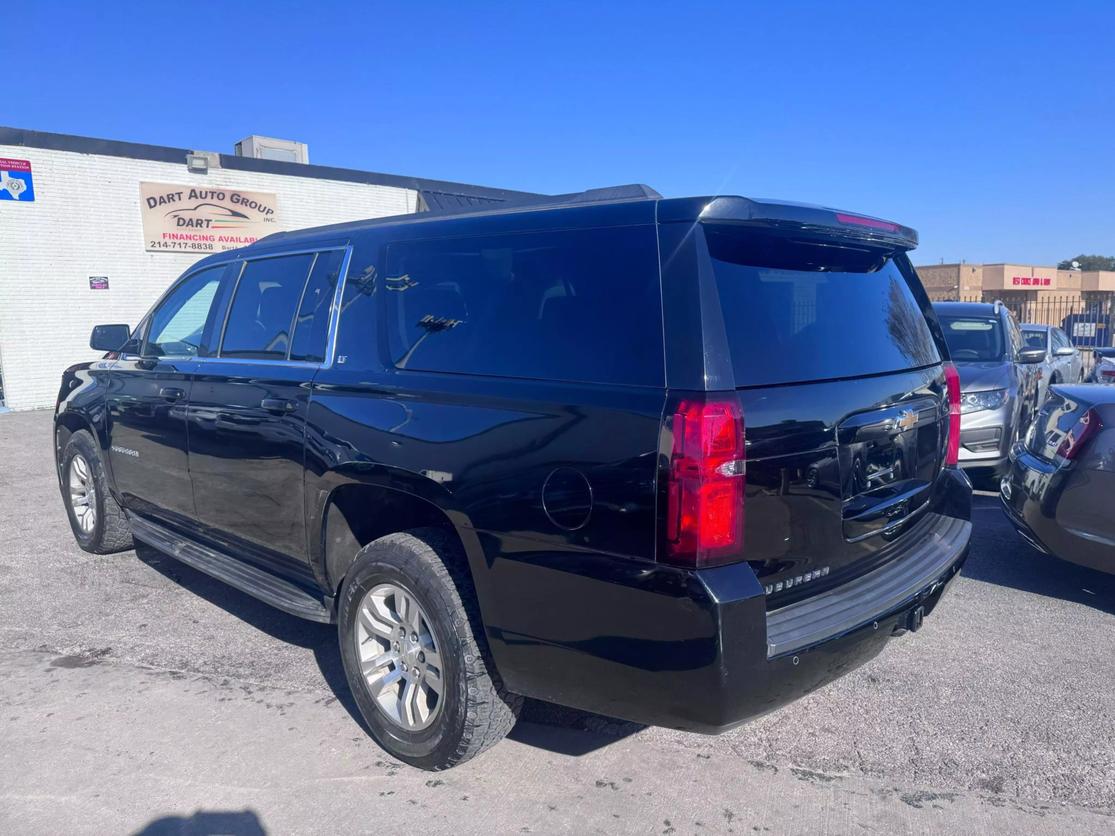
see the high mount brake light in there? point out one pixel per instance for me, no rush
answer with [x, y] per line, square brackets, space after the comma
[871, 223]
[952, 386]
[1088, 425]
[705, 481]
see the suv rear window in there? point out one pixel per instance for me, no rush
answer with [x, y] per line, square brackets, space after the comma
[814, 313]
[577, 305]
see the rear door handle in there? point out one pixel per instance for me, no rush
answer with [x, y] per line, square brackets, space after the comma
[277, 405]
[172, 393]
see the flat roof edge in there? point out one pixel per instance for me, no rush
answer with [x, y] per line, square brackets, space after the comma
[21, 137]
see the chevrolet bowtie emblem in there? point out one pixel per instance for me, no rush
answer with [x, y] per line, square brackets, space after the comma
[907, 419]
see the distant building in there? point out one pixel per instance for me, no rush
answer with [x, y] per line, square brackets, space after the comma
[1080, 302]
[93, 231]
[1014, 282]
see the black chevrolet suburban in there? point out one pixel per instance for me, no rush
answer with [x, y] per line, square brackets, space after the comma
[677, 461]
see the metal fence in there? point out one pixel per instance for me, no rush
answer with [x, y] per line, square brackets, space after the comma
[1088, 319]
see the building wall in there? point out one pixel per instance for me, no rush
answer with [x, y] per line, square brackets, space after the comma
[952, 280]
[85, 221]
[1024, 281]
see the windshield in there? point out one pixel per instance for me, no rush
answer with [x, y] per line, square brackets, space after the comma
[1033, 339]
[973, 338]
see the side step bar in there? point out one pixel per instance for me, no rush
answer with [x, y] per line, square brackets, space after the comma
[271, 589]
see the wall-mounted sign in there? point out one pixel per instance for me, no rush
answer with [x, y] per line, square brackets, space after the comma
[16, 182]
[1031, 281]
[202, 219]
[98, 282]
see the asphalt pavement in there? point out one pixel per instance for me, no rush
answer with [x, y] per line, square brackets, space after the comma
[138, 695]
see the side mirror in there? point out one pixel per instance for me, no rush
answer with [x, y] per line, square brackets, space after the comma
[1029, 356]
[1065, 351]
[109, 337]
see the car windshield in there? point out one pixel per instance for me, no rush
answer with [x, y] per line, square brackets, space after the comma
[1033, 339]
[973, 338]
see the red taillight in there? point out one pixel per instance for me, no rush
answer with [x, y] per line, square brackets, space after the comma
[705, 482]
[952, 386]
[872, 223]
[1088, 425]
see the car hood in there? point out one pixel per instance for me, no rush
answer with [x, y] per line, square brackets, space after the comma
[976, 377]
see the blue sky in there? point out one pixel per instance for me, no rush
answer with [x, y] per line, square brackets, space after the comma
[989, 127]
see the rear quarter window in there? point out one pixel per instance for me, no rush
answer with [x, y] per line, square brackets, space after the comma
[797, 314]
[568, 305]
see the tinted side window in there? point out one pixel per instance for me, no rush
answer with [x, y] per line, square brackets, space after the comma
[311, 326]
[582, 305]
[1015, 334]
[357, 326]
[262, 313]
[178, 325]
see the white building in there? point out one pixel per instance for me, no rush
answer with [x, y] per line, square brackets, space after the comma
[92, 231]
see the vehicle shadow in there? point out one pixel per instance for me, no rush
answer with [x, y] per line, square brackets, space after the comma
[206, 823]
[321, 639]
[1000, 556]
[542, 725]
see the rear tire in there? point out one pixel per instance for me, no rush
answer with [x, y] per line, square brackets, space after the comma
[97, 520]
[415, 655]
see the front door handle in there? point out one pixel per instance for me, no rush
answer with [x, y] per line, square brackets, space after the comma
[172, 393]
[277, 405]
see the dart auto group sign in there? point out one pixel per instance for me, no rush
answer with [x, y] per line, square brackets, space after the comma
[202, 219]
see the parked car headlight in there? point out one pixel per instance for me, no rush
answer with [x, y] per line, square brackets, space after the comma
[978, 401]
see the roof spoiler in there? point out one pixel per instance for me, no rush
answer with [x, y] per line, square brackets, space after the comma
[818, 220]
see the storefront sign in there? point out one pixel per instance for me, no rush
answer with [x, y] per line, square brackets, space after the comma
[203, 219]
[98, 282]
[1031, 281]
[16, 182]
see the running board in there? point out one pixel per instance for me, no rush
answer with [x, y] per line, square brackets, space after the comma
[271, 589]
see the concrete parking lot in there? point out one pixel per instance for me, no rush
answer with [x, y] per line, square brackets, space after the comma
[138, 695]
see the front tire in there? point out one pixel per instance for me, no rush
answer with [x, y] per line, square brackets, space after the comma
[96, 517]
[415, 655]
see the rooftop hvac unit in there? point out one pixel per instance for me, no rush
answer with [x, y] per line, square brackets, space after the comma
[268, 148]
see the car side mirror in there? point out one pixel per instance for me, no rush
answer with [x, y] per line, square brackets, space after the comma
[1064, 351]
[109, 337]
[1029, 356]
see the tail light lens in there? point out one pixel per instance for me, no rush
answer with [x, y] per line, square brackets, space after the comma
[705, 481]
[952, 386]
[1077, 438]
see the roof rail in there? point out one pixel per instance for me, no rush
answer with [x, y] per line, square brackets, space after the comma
[516, 201]
[630, 191]
[525, 200]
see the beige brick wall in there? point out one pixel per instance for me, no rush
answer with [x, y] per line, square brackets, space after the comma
[85, 221]
[963, 280]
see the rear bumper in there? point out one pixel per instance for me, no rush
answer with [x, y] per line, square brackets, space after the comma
[698, 650]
